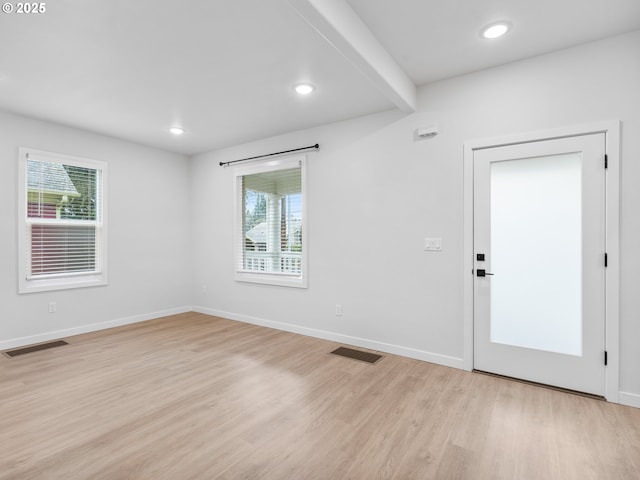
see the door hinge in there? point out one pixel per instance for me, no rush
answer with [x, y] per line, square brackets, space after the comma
[605, 358]
[606, 161]
[606, 260]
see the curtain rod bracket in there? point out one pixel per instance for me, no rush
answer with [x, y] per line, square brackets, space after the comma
[315, 147]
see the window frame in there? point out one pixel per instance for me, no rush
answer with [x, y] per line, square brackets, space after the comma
[269, 278]
[59, 281]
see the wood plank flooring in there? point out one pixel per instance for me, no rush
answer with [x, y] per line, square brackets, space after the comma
[199, 397]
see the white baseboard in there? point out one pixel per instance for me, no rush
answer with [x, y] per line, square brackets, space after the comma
[340, 338]
[625, 398]
[630, 399]
[93, 327]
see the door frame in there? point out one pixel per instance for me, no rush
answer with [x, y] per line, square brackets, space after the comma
[611, 129]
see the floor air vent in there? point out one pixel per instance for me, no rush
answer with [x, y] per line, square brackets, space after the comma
[357, 354]
[35, 348]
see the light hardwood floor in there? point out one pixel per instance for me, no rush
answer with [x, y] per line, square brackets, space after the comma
[198, 397]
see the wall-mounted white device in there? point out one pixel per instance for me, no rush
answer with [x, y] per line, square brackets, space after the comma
[428, 131]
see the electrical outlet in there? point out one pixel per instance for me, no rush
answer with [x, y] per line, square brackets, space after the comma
[338, 310]
[52, 307]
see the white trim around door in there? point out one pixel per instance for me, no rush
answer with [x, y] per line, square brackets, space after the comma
[611, 129]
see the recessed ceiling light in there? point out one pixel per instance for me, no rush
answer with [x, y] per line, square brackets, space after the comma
[304, 88]
[496, 30]
[176, 130]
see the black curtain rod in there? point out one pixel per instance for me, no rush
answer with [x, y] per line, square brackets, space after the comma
[316, 147]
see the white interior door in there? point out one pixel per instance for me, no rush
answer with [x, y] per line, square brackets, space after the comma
[539, 262]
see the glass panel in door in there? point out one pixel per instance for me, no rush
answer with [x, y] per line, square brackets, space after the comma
[536, 244]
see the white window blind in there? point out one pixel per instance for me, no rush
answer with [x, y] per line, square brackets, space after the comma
[63, 230]
[271, 238]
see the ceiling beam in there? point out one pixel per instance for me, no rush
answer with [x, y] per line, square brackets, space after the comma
[336, 21]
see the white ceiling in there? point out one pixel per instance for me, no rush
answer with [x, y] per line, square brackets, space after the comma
[223, 69]
[436, 39]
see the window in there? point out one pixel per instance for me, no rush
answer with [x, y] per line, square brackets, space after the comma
[270, 232]
[61, 222]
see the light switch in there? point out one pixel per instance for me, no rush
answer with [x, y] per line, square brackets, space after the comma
[433, 244]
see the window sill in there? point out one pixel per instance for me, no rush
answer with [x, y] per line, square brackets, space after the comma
[280, 280]
[61, 283]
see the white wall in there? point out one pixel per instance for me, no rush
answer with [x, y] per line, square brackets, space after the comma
[375, 192]
[148, 233]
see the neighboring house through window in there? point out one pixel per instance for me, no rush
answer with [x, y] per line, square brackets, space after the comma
[270, 234]
[62, 228]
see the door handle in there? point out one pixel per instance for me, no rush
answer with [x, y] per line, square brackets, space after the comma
[481, 272]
